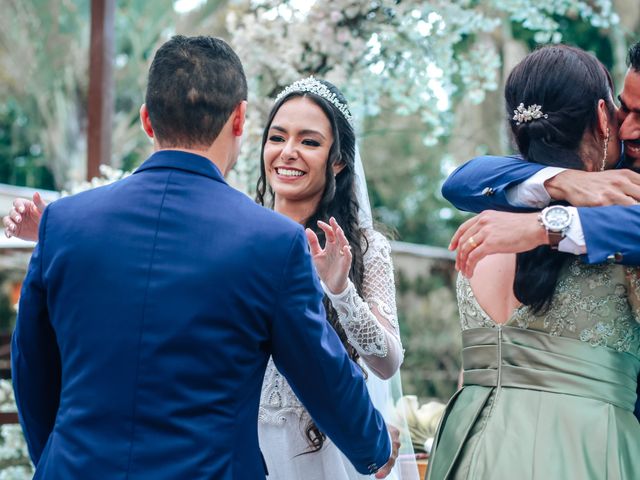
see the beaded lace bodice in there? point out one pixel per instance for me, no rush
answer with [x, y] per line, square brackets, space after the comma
[597, 304]
[358, 317]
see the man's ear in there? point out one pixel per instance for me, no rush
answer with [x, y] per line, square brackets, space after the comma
[239, 117]
[145, 121]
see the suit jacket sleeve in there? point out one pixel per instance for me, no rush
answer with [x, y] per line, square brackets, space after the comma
[35, 359]
[482, 183]
[308, 352]
[612, 233]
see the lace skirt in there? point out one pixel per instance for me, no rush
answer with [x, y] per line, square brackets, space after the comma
[283, 444]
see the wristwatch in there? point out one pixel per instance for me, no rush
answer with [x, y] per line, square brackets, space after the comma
[556, 221]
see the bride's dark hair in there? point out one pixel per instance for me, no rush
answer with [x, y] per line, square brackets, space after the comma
[567, 83]
[338, 200]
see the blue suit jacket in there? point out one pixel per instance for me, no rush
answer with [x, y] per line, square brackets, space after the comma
[148, 314]
[482, 183]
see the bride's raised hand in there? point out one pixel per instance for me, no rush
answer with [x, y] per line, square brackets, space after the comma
[332, 262]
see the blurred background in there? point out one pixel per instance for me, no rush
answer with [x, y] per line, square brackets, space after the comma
[424, 80]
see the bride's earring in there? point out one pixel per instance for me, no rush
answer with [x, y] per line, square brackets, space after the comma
[605, 150]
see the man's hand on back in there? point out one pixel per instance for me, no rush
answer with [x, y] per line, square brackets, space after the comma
[594, 189]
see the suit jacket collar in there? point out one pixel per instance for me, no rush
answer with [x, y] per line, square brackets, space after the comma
[180, 160]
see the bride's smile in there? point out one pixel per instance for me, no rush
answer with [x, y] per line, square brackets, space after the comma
[298, 144]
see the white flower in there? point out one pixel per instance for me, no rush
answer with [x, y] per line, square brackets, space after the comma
[384, 49]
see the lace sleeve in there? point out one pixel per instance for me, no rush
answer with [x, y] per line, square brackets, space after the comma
[371, 324]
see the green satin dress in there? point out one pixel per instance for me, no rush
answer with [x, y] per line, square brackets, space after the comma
[548, 397]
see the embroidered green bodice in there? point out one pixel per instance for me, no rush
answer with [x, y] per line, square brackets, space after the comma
[597, 304]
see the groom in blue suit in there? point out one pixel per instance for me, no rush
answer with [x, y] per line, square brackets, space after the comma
[151, 306]
[608, 233]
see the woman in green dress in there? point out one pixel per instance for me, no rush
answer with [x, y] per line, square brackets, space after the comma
[551, 346]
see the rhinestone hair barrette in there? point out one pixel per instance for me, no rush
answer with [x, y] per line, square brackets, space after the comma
[529, 114]
[312, 85]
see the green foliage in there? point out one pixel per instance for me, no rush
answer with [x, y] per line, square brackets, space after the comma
[428, 317]
[44, 53]
[577, 33]
[21, 158]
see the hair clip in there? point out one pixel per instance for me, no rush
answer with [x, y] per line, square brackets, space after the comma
[529, 114]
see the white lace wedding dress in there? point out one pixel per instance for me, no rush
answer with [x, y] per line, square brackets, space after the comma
[371, 326]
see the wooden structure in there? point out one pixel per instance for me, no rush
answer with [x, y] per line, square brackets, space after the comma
[101, 95]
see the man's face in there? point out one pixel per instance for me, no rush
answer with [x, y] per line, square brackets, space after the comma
[629, 117]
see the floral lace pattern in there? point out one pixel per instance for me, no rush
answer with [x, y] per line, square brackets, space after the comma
[277, 399]
[363, 329]
[597, 304]
[366, 335]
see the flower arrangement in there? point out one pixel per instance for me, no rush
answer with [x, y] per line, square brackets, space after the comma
[108, 175]
[422, 420]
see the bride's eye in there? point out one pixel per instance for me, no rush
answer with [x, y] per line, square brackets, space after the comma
[276, 138]
[311, 143]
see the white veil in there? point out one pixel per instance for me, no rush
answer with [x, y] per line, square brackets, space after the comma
[385, 393]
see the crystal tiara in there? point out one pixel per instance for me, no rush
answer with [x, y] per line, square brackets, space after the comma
[312, 85]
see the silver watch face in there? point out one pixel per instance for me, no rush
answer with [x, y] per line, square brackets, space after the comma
[556, 218]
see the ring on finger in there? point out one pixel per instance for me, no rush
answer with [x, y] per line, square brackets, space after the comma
[472, 242]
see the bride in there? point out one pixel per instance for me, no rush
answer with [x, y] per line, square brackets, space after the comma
[310, 171]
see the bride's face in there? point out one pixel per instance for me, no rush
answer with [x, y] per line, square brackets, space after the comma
[297, 150]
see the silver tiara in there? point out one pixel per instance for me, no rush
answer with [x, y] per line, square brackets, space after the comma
[529, 114]
[312, 85]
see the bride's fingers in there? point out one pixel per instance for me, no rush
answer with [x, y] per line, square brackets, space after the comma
[328, 231]
[334, 224]
[346, 252]
[314, 244]
[342, 239]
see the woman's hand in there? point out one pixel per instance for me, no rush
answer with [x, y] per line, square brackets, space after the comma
[24, 218]
[332, 262]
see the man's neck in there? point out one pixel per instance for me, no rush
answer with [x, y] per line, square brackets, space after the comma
[218, 156]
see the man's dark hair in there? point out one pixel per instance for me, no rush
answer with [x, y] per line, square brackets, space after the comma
[633, 57]
[195, 83]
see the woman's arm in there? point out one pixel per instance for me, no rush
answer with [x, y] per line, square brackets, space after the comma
[371, 321]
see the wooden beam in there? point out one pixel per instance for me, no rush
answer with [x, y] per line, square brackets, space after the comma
[8, 418]
[100, 85]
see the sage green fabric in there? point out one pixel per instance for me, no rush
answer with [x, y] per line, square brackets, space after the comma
[548, 397]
